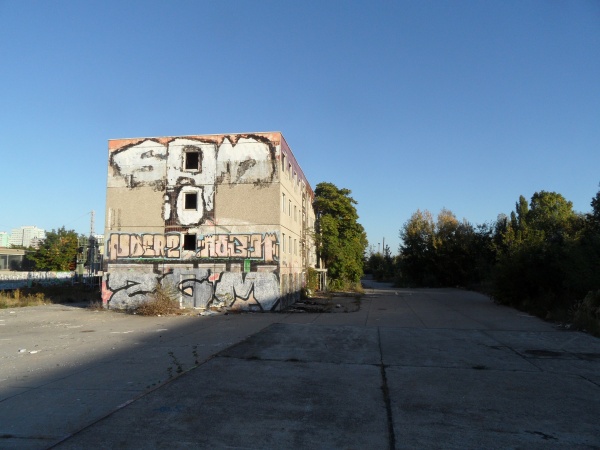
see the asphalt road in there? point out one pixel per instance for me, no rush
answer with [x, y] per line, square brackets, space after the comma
[410, 369]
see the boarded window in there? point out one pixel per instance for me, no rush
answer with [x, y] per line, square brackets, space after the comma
[191, 201]
[189, 242]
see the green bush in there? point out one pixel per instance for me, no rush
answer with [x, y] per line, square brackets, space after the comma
[587, 313]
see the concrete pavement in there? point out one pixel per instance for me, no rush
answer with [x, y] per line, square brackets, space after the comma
[410, 369]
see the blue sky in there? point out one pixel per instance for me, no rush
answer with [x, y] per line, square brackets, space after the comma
[409, 104]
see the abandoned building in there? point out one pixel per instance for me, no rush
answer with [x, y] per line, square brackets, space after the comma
[224, 219]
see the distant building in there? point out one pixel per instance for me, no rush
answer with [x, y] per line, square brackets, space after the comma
[12, 259]
[226, 219]
[4, 239]
[26, 236]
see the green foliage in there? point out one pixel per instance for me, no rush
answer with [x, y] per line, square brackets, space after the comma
[444, 251]
[587, 313]
[341, 240]
[382, 267]
[544, 257]
[536, 255]
[58, 251]
[312, 280]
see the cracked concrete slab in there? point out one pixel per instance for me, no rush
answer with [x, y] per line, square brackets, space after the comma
[410, 369]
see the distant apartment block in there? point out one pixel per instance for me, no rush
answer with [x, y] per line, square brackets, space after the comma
[4, 239]
[29, 236]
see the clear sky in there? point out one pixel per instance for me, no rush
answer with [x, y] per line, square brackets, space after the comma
[409, 104]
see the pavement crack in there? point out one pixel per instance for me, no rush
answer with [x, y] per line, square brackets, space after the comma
[386, 396]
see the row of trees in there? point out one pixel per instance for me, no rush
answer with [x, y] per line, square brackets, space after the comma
[544, 257]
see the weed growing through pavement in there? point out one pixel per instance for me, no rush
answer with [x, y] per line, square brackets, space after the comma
[95, 306]
[178, 366]
[195, 353]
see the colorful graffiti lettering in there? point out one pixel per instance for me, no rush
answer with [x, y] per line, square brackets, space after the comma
[197, 287]
[131, 245]
[252, 246]
[256, 246]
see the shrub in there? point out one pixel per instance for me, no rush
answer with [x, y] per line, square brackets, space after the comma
[312, 281]
[587, 313]
[162, 301]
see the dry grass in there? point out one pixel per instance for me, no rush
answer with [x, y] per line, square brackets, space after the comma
[40, 295]
[18, 299]
[96, 306]
[163, 301]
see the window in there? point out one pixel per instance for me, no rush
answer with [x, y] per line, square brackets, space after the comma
[290, 244]
[192, 160]
[295, 213]
[290, 208]
[191, 201]
[283, 240]
[290, 171]
[283, 162]
[189, 242]
[295, 247]
[283, 202]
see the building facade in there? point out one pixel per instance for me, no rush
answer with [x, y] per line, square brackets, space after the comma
[4, 239]
[29, 236]
[226, 219]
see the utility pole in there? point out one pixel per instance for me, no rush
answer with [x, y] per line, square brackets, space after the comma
[92, 232]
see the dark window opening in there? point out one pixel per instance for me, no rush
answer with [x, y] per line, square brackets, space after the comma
[192, 160]
[191, 201]
[189, 242]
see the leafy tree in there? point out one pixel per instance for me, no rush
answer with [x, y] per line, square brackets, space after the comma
[594, 217]
[341, 240]
[58, 251]
[381, 266]
[417, 248]
[551, 214]
[537, 254]
[444, 251]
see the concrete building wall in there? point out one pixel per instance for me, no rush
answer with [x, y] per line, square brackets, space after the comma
[204, 213]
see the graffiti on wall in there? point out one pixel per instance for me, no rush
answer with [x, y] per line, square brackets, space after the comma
[17, 280]
[256, 246]
[197, 287]
[252, 246]
[186, 168]
[146, 245]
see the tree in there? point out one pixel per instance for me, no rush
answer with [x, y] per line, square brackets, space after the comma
[58, 251]
[341, 240]
[417, 249]
[551, 213]
[594, 217]
[539, 248]
[443, 252]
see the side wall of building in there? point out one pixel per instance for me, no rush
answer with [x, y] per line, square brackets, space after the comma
[201, 213]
